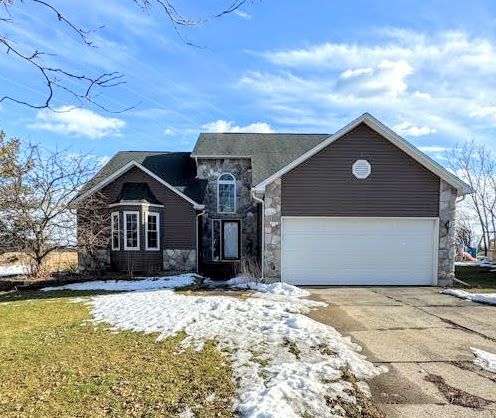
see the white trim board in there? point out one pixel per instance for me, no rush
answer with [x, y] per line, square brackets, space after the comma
[135, 203]
[392, 137]
[126, 168]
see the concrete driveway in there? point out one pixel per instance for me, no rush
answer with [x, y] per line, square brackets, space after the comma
[424, 338]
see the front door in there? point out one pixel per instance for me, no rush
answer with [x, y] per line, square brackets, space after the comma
[230, 240]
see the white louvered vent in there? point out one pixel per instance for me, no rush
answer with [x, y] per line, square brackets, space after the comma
[361, 169]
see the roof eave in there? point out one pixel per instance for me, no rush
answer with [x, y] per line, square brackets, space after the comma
[126, 168]
[461, 187]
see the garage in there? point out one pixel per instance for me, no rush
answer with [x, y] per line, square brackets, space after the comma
[359, 251]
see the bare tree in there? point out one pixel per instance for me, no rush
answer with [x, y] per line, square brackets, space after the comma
[93, 231]
[83, 88]
[476, 165]
[36, 202]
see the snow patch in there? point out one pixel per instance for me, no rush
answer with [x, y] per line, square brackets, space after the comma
[14, 270]
[152, 283]
[485, 360]
[284, 363]
[488, 298]
[247, 283]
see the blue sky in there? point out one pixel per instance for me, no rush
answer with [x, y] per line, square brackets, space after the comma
[426, 70]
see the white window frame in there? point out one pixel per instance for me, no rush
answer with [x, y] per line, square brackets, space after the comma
[157, 217]
[131, 212]
[222, 258]
[233, 182]
[112, 216]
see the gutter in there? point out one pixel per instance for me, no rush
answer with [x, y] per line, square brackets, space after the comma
[253, 191]
[197, 243]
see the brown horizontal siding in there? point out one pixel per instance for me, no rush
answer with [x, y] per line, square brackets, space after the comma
[324, 184]
[177, 218]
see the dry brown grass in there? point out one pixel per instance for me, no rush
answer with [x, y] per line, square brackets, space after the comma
[55, 262]
[56, 363]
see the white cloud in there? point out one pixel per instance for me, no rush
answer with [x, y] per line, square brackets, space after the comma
[484, 112]
[433, 149]
[242, 14]
[409, 129]
[225, 126]
[442, 81]
[80, 122]
[387, 78]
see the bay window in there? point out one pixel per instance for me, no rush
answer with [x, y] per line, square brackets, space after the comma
[152, 236]
[131, 230]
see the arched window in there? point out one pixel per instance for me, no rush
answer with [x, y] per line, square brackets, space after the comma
[226, 193]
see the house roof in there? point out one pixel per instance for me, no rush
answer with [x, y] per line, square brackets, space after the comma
[174, 169]
[269, 152]
[137, 192]
[461, 187]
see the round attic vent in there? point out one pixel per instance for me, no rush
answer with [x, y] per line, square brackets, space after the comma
[361, 169]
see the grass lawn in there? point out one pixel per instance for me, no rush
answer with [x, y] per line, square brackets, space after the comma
[54, 362]
[480, 278]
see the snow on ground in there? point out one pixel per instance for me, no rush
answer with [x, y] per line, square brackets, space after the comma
[485, 360]
[246, 283]
[13, 270]
[284, 363]
[489, 298]
[151, 283]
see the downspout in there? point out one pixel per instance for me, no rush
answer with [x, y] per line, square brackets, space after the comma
[197, 243]
[263, 229]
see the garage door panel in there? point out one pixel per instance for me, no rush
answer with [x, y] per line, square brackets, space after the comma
[358, 251]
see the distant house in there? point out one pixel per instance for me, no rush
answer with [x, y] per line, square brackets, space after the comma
[361, 206]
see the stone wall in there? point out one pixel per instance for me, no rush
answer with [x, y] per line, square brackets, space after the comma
[246, 208]
[447, 215]
[272, 231]
[180, 260]
[100, 260]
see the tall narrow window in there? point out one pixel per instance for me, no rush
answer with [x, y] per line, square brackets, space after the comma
[152, 235]
[215, 239]
[226, 193]
[131, 230]
[115, 231]
[230, 240]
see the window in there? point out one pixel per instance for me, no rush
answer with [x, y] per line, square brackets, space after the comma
[225, 240]
[152, 228]
[115, 230]
[216, 239]
[230, 240]
[226, 193]
[131, 230]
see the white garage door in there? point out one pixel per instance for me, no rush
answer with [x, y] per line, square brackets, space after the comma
[359, 251]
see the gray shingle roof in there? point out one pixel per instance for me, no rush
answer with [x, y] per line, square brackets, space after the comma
[176, 168]
[136, 192]
[269, 152]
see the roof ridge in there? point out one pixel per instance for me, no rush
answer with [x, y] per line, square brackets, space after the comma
[262, 133]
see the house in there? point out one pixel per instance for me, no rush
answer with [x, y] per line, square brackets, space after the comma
[359, 207]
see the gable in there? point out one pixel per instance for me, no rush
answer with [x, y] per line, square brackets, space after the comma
[324, 184]
[196, 186]
[461, 187]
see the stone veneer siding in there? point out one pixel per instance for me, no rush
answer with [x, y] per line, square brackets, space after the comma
[446, 249]
[180, 260]
[272, 231]
[447, 213]
[246, 207]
